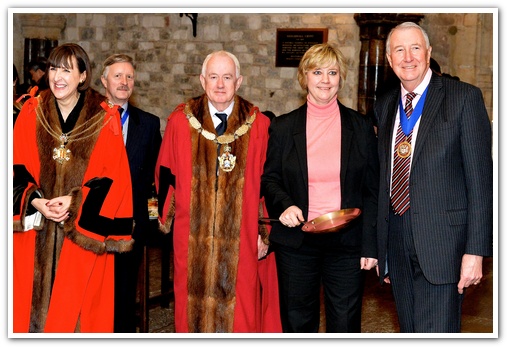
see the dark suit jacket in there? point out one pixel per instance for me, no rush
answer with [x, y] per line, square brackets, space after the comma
[285, 178]
[143, 144]
[451, 196]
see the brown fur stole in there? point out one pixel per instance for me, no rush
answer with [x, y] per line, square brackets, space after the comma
[215, 222]
[57, 180]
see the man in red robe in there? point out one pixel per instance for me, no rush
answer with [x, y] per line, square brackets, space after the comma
[209, 188]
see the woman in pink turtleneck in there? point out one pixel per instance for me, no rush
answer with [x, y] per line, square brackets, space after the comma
[322, 157]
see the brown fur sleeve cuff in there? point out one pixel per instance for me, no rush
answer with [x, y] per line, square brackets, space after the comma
[166, 227]
[76, 196]
[99, 247]
[263, 229]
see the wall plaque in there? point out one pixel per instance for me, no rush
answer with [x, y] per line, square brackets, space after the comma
[291, 44]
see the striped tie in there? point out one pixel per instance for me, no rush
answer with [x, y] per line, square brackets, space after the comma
[400, 199]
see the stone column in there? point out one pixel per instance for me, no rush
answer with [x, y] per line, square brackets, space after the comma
[375, 74]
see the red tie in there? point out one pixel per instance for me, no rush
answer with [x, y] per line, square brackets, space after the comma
[400, 199]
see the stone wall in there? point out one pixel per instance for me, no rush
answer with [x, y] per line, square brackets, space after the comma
[169, 58]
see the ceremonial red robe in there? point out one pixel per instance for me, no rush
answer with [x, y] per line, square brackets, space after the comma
[63, 276]
[219, 283]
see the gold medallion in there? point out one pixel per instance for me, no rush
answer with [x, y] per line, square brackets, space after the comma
[404, 149]
[227, 161]
[61, 154]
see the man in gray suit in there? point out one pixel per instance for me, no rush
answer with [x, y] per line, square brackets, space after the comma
[435, 220]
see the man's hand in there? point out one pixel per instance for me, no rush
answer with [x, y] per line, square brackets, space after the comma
[471, 271]
[368, 263]
[262, 248]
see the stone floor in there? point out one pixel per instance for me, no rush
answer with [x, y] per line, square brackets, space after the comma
[379, 315]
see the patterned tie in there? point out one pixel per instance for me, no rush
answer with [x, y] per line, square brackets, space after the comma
[223, 124]
[120, 111]
[400, 198]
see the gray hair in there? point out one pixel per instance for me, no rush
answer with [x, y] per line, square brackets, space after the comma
[116, 58]
[402, 26]
[230, 55]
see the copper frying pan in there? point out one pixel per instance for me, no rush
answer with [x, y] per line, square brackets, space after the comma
[328, 222]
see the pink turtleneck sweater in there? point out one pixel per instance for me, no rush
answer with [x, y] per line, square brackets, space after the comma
[323, 136]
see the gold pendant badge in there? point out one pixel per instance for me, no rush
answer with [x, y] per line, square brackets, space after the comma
[61, 154]
[404, 149]
[227, 161]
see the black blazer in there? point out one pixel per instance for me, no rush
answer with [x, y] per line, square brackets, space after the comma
[451, 178]
[285, 178]
[143, 144]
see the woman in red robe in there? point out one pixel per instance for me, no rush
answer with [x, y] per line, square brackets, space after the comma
[72, 203]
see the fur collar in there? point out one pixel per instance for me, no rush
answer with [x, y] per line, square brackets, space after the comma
[215, 222]
[62, 179]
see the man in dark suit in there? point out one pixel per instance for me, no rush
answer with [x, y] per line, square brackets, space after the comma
[141, 134]
[435, 220]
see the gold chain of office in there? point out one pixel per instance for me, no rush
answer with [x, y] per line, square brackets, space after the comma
[227, 161]
[62, 154]
[222, 139]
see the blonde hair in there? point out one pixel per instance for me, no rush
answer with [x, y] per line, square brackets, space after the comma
[321, 55]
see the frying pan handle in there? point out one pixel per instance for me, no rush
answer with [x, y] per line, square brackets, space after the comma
[268, 220]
